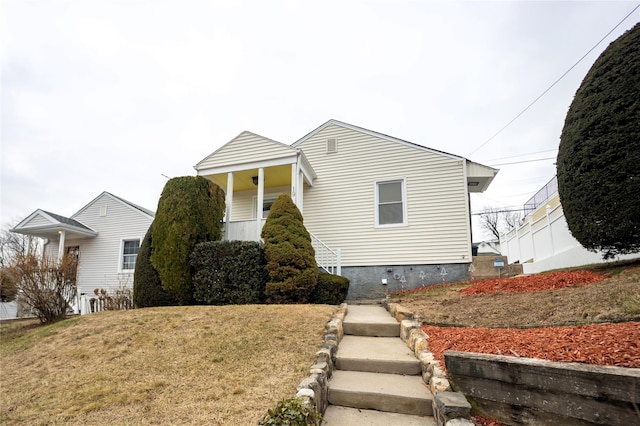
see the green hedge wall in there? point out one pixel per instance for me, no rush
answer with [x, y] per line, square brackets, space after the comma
[330, 290]
[229, 272]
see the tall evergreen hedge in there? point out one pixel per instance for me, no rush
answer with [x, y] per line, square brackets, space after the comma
[599, 157]
[291, 263]
[190, 211]
[147, 288]
[229, 272]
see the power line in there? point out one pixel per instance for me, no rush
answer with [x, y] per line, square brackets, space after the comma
[520, 155]
[523, 161]
[554, 83]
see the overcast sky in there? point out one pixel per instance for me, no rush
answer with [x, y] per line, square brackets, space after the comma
[110, 95]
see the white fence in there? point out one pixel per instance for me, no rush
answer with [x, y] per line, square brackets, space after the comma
[546, 244]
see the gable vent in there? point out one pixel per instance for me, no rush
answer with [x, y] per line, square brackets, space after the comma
[332, 145]
[103, 211]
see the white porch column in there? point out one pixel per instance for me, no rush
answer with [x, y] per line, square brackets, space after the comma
[229, 202]
[259, 203]
[61, 244]
[296, 184]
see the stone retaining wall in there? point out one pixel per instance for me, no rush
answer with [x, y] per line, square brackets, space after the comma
[528, 391]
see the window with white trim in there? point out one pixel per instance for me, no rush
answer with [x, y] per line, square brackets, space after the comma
[266, 205]
[391, 205]
[129, 254]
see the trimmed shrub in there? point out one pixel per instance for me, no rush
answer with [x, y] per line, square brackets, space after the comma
[190, 211]
[292, 412]
[291, 263]
[229, 272]
[330, 290]
[147, 288]
[599, 156]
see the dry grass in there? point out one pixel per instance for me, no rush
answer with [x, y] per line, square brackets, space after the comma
[614, 299]
[222, 365]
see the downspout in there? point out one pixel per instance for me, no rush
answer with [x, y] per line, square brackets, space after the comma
[468, 210]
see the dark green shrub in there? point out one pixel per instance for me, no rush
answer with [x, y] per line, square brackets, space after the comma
[190, 211]
[599, 156]
[147, 288]
[330, 290]
[291, 263]
[292, 412]
[229, 272]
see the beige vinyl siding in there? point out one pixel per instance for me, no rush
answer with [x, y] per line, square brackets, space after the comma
[100, 257]
[243, 201]
[245, 148]
[37, 220]
[340, 208]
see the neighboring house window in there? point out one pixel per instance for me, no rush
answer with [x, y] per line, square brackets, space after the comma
[130, 254]
[391, 203]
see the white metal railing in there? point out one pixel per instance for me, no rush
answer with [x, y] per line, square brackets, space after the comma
[328, 259]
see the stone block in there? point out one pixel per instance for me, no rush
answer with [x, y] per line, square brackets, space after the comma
[406, 326]
[413, 336]
[438, 385]
[421, 345]
[453, 405]
[459, 422]
[335, 327]
[402, 313]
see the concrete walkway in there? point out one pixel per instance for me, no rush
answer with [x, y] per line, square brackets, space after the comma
[377, 378]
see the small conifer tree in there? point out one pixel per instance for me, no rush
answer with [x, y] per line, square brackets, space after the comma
[291, 263]
[147, 287]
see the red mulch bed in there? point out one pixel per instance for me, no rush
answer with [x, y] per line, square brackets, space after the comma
[538, 282]
[599, 344]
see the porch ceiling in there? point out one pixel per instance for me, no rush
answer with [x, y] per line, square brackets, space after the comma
[243, 179]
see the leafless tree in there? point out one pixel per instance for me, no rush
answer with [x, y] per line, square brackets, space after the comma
[47, 286]
[495, 221]
[13, 245]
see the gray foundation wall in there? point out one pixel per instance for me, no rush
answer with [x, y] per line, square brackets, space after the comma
[366, 281]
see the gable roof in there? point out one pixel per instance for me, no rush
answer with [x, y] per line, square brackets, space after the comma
[333, 122]
[45, 224]
[122, 201]
[478, 175]
[237, 149]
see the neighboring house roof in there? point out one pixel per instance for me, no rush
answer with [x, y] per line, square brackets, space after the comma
[45, 224]
[478, 176]
[120, 200]
[48, 225]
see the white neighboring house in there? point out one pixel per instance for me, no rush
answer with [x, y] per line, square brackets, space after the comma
[105, 235]
[378, 207]
[543, 241]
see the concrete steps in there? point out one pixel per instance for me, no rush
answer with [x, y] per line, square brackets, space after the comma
[377, 380]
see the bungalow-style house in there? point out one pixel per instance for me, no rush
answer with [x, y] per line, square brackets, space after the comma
[105, 235]
[386, 213]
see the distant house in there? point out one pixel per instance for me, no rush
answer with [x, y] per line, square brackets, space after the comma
[487, 248]
[379, 208]
[543, 241]
[105, 235]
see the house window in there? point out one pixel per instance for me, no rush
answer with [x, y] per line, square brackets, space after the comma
[130, 254]
[266, 206]
[391, 206]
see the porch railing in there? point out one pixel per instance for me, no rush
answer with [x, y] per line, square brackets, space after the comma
[328, 259]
